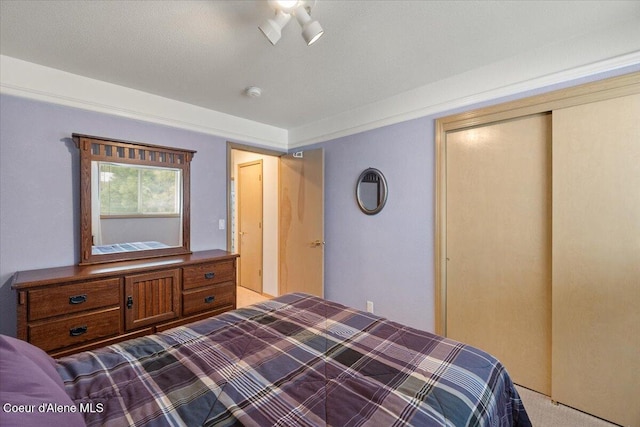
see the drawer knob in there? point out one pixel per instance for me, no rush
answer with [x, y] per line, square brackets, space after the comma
[78, 299]
[75, 332]
[209, 275]
[209, 299]
[129, 302]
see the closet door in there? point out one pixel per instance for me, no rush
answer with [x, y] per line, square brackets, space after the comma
[596, 258]
[498, 269]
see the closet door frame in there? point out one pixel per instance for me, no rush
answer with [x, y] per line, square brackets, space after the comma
[591, 92]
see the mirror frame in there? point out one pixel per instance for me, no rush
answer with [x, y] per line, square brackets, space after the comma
[94, 148]
[382, 183]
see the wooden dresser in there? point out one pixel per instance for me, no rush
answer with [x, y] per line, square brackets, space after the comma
[65, 310]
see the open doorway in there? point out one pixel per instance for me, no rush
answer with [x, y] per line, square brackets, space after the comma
[292, 225]
[259, 272]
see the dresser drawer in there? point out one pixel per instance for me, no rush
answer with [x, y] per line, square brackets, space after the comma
[76, 329]
[67, 299]
[208, 298]
[195, 276]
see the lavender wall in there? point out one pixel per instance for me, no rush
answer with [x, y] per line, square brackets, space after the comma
[39, 185]
[386, 258]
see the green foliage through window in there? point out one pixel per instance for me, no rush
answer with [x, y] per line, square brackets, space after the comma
[136, 190]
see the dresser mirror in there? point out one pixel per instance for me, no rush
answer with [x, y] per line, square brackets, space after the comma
[134, 200]
[371, 191]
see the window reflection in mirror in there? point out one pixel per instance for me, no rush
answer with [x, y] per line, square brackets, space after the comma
[370, 194]
[138, 207]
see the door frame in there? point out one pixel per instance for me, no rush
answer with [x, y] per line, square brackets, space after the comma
[250, 149]
[576, 95]
[242, 147]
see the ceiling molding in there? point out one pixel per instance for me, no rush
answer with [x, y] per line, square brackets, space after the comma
[559, 63]
[33, 81]
[440, 97]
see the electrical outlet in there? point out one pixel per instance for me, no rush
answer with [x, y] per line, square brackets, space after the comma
[221, 224]
[370, 306]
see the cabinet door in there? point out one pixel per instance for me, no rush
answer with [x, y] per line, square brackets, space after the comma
[596, 258]
[151, 298]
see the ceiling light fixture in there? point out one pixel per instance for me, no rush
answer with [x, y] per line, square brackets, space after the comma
[311, 30]
[272, 28]
[301, 9]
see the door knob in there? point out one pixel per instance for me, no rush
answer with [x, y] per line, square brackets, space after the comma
[317, 243]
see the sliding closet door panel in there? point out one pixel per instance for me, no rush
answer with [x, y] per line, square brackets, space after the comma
[596, 258]
[498, 285]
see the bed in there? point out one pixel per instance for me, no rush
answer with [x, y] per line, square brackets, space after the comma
[296, 360]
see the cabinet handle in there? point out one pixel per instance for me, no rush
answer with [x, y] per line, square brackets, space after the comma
[78, 299]
[209, 275]
[75, 332]
[129, 302]
[209, 299]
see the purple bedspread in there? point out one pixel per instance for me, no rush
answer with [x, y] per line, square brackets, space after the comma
[296, 360]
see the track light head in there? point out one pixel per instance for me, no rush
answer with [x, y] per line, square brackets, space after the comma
[272, 27]
[311, 30]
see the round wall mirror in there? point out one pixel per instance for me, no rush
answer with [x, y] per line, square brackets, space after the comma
[371, 191]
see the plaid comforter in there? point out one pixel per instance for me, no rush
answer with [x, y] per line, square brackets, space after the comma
[296, 360]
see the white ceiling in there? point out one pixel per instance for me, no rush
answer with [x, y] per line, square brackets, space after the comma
[205, 53]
